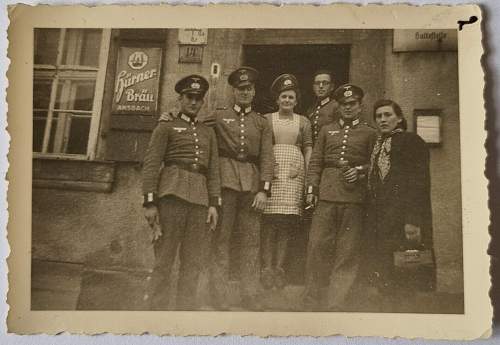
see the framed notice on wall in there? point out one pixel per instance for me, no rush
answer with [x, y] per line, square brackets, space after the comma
[428, 125]
[137, 81]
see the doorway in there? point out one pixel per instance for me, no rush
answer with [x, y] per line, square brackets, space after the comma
[300, 60]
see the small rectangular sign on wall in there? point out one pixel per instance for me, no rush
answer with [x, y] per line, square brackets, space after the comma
[407, 40]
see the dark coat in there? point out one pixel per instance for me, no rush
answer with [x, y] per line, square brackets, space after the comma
[403, 198]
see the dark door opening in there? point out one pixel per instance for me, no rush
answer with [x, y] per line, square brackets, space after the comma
[299, 60]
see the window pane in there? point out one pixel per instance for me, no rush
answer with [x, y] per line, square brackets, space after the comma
[46, 42]
[90, 48]
[81, 47]
[79, 135]
[53, 131]
[75, 94]
[41, 94]
[38, 129]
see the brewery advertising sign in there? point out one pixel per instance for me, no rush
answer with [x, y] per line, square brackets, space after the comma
[137, 81]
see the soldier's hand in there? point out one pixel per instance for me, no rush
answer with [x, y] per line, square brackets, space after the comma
[413, 233]
[212, 218]
[351, 175]
[260, 201]
[166, 116]
[311, 201]
[152, 216]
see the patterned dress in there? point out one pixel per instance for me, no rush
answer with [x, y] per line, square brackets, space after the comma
[290, 137]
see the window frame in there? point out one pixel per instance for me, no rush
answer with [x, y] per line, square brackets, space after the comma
[60, 72]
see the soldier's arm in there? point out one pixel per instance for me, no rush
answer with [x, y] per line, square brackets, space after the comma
[316, 164]
[152, 163]
[266, 157]
[364, 168]
[307, 142]
[213, 176]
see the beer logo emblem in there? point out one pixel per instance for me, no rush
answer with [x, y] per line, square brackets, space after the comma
[195, 86]
[228, 121]
[348, 93]
[137, 60]
[287, 82]
[243, 77]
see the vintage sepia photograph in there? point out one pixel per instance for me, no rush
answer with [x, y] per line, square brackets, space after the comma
[329, 158]
[247, 171]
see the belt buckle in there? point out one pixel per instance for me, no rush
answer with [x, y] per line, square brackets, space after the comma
[195, 167]
[241, 157]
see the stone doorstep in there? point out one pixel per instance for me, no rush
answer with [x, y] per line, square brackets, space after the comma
[55, 285]
[63, 286]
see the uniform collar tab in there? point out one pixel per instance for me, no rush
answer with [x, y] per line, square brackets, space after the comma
[324, 101]
[187, 118]
[238, 109]
[352, 123]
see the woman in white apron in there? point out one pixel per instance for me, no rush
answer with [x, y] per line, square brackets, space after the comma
[292, 146]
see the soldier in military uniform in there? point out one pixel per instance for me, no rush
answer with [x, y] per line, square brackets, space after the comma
[336, 180]
[324, 109]
[246, 164]
[181, 185]
[322, 112]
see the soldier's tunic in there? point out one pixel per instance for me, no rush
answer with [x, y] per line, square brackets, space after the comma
[321, 113]
[337, 221]
[181, 173]
[246, 164]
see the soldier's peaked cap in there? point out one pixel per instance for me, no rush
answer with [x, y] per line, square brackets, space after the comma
[348, 92]
[243, 76]
[193, 83]
[284, 82]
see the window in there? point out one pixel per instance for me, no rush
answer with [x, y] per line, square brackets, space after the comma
[69, 72]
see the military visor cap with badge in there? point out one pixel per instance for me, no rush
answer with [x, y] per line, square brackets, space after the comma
[243, 77]
[192, 84]
[284, 82]
[347, 93]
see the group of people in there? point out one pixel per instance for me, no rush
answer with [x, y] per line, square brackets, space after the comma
[357, 191]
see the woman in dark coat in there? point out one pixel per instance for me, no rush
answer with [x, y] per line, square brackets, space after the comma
[399, 214]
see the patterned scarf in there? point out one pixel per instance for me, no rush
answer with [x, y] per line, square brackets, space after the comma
[381, 156]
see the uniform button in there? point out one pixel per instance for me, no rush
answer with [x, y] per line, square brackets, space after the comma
[346, 131]
[196, 147]
[345, 136]
[196, 140]
[343, 147]
[347, 127]
[195, 134]
[242, 131]
[315, 122]
[242, 143]
[197, 152]
[342, 153]
[242, 125]
[344, 141]
[242, 150]
[315, 132]
[196, 159]
[242, 137]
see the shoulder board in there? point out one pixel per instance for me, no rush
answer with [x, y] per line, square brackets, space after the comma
[368, 125]
[160, 119]
[221, 108]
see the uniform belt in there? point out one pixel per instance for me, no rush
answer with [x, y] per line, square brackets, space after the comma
[192, 167]
[241, 157]
[331, 165]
